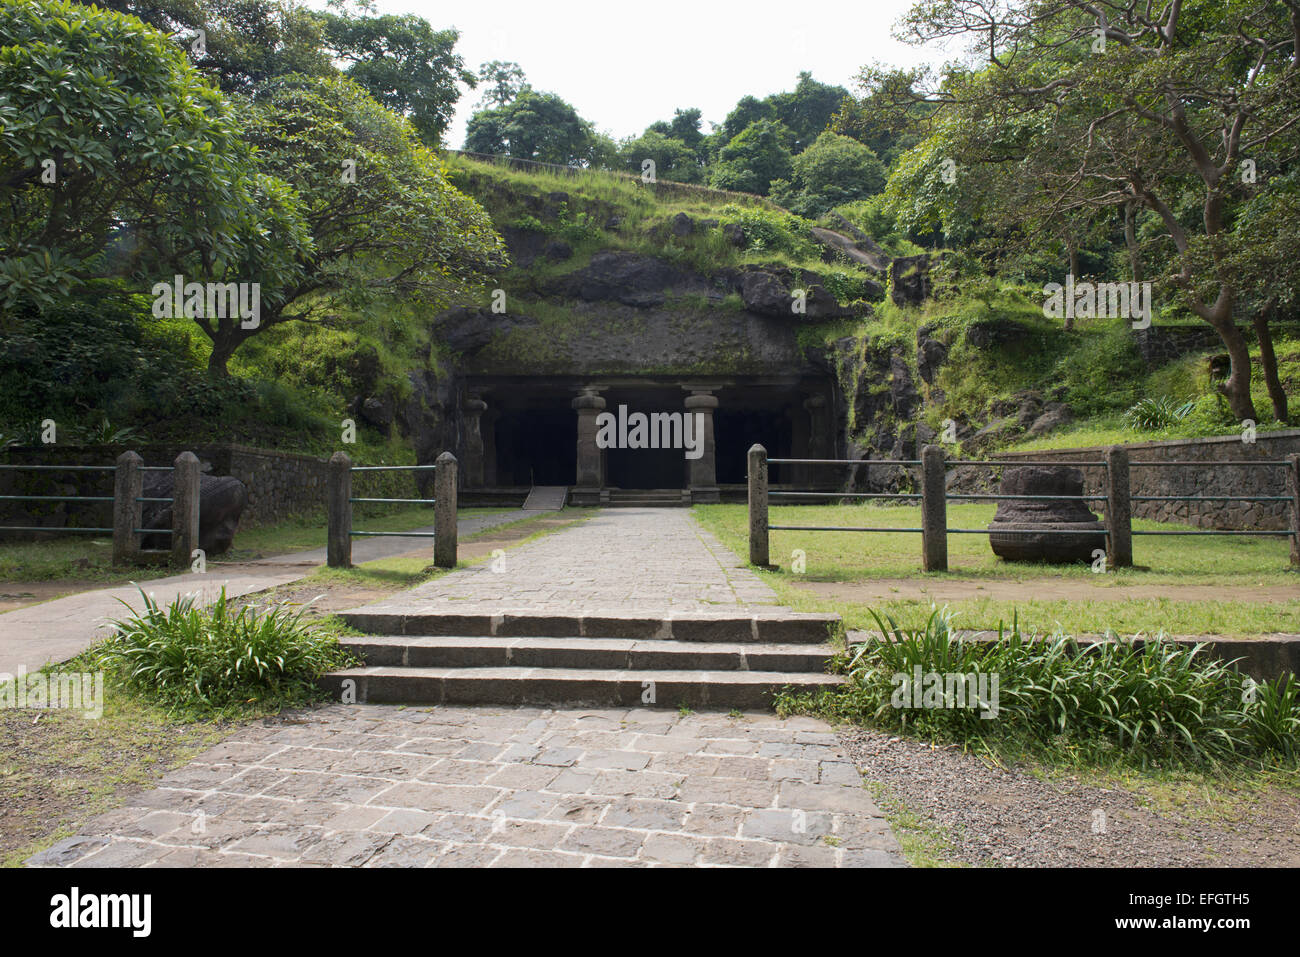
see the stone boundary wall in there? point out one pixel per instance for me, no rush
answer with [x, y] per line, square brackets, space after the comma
[1210, 479]
[280, 484]
[1162, 344]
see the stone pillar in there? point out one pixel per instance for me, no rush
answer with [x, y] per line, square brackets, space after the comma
[1119, 509]
[703, 470]
[934, 510]
[128, 483]
[591, 461]
[758, 541]
[800, 476]
[471, 462]
[488, 429]
[818, 435]
[185, 508]
[444, 511]
[338, 550]
[1293, 490]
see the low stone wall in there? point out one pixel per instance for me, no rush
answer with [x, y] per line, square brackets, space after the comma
[1211, 477]
[280, 484]
[1161, 344]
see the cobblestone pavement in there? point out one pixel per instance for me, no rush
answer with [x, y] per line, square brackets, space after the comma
[620, 560]
[379, 786]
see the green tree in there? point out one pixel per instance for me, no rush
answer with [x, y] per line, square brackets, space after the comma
[1113, 106]
[807, 110]
[833, 170]
[673, 159]
[756, 157]
[405, 64]
[535, 126]
[748, 110]
[117, 159]
[384, 222]
[502, 80]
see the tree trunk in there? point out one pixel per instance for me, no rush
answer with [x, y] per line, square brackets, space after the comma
[1268, 359]
[1130, 240]
[1074, 271]
[1237, 388]
[222, 349]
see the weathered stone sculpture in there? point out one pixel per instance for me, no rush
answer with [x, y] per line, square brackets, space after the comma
[222, 500]
[1059, 521]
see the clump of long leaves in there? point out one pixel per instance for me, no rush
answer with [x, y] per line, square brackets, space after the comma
[1159, 412]
[215, 657]
[1152, 699]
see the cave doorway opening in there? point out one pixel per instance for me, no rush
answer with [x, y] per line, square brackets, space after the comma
[536, 447]
[736, 429]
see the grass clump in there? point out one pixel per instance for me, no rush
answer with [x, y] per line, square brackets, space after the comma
[1148, 703]
[218, 659]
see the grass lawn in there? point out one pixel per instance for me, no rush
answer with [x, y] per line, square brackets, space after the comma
[85, 558]
[1184, 585]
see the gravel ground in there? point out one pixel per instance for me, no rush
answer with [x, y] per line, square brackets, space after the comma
[1012, 818]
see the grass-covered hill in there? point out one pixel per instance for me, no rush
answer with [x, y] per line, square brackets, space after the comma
[598, 254]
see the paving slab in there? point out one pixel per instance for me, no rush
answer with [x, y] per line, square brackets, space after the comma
[621, 562]
[500, 787]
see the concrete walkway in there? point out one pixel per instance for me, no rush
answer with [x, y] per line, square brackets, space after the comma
[57, 630]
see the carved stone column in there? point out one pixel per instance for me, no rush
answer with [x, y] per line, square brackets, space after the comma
[819, 446]
[703, 470]
[591, 461]
[471, 462]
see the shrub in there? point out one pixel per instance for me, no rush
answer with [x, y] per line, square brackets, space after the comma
[769, 231]
[210, 659]
[1103, 373]
[1155, 701]
[1159, 412]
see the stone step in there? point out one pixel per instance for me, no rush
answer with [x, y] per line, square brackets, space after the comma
[445, 651]
[648, 498]
[647, 503]
[778, 627]
[712, 690]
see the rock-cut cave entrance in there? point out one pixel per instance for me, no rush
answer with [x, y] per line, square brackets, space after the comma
[534, 446]
[530, 431]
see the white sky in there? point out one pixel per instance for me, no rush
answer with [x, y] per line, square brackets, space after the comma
[625, 65]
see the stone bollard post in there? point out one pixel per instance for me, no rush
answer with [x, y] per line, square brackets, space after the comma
[758, 542]
[1293, 490]
[934, 510]
[1119, 509]
[128, 483]
[444, 511]
[339, 547]
[185, 508]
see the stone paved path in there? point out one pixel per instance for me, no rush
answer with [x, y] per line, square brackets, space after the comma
[57, 630]
[375, 786]
[619, 560]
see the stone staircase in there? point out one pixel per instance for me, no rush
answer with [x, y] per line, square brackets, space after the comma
[649, 498]
[703, 660]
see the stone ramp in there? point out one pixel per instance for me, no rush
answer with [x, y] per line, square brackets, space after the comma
[546, 498]
[632, 608]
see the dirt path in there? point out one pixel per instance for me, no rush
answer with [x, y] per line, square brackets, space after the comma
[1042, 589]
[992, 816]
